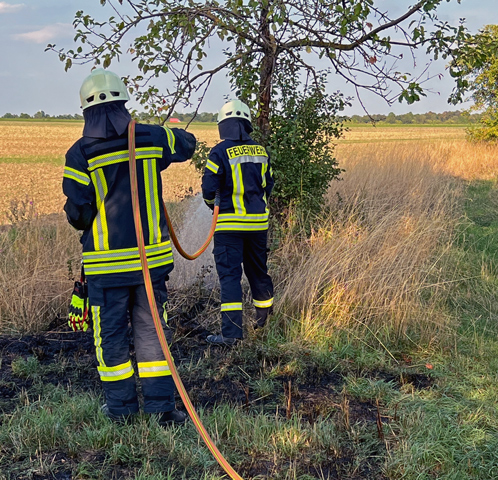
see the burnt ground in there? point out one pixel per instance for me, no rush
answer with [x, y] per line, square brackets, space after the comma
[212, 376]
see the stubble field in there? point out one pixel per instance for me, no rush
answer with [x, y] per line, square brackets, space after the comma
[32, 164]
[32, 158]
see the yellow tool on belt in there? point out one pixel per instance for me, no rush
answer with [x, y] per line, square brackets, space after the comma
[78, 310]
[155, 314]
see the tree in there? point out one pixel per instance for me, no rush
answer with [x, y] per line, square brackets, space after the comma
[41, 114]
[391, 118]
[351, 38]
[476, 70]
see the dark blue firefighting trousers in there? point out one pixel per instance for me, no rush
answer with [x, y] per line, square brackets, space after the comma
[111, 310]
[231, 250]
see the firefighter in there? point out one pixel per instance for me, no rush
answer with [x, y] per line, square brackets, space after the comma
[239, 169]
[97, 186]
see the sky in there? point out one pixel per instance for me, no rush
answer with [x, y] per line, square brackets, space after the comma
[32, 79]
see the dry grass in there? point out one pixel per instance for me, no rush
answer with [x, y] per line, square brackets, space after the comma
[378, 261]
[39, 258]
[470, 161]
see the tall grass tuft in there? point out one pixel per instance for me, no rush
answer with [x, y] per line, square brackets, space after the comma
[376, 263]
[39, 259]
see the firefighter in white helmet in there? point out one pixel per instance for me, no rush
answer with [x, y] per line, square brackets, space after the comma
[239, 168]
[97, 185]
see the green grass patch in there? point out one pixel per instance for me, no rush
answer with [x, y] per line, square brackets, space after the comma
[450, 431]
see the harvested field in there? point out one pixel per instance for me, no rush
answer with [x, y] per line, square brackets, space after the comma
[403, 133]
[32, 162]
[37, 141]
[32, 158]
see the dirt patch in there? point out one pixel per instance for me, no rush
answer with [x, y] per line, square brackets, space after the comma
[62, 358]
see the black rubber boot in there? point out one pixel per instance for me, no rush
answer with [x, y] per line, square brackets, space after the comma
[170, 419]
[121, 419]
[221, 340]
[262, 316]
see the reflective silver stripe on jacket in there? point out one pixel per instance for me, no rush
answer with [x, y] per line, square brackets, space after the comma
[248, 159]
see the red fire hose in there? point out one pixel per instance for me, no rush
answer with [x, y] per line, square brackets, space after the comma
[205, 244]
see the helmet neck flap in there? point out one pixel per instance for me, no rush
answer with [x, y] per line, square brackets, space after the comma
[106, 120]
[235, 129]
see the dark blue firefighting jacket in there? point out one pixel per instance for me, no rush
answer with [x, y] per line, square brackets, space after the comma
[97, 184]
[240, 169]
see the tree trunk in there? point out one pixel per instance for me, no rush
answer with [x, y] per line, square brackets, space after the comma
[266, 76]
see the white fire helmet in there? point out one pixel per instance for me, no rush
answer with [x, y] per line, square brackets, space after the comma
[102, 86]
[234, 109]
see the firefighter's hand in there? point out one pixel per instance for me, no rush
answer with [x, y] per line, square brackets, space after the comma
[78, 312]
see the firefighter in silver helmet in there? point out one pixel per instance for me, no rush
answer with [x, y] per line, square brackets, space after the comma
[239, 168]
[97, 186]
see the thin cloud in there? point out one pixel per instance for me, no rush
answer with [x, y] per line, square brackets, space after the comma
[46, 34]
[7, 7]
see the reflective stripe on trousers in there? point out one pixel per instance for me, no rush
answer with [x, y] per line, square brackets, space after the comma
[231, 251]
[111, 308]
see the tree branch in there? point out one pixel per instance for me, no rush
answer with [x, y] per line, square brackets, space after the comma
[351, 46]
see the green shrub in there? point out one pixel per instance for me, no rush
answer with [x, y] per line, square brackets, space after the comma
[304, 124]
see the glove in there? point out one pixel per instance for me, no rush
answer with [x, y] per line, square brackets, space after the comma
[78, 310]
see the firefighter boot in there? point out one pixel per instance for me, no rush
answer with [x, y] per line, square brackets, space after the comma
[173, 418]
[262, 316]
[221, 340]
[121, 419]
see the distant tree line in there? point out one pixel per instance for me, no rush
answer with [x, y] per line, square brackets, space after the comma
[42, 114]
[447, 118]
[143, 116]
[205, 117]
[200, 117]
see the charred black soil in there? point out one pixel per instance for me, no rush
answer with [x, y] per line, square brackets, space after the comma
[243, 377]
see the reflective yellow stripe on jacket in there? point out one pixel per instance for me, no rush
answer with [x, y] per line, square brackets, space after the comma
[240, 220]
[99, 228]
[76, 175]
[152, 200]
[122, 156]
[126, 259]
